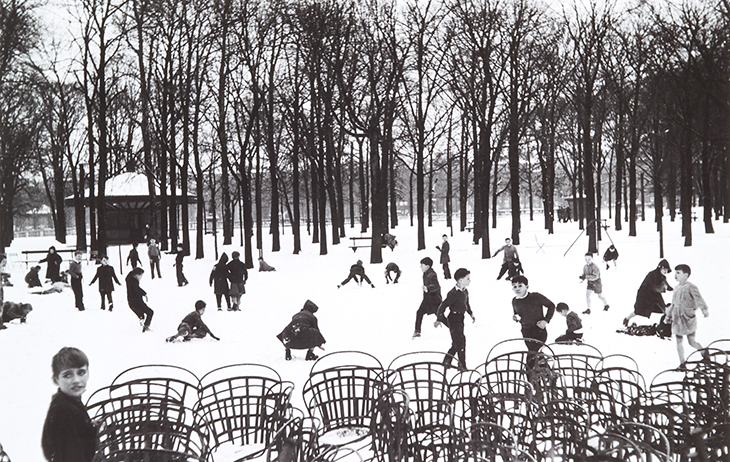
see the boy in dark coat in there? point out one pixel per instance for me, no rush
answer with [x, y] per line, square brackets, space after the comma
[181, 279]
[74, 270]
[53, 264]
[357, 271]
[136, 297]
[238, 275]
[32, 278]
[431, 294]
[192, 325]
[133, 257]
[649, 296]
[528, 311]
[457, 301]
[302, 333]
[573, 322]
[611, 255]
[107, 277]
[392, 268]
[219, 281]
[444, 260]
[69, 435]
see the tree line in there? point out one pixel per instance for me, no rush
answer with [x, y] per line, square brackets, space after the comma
[329, 111]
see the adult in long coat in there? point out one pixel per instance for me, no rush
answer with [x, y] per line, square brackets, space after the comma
[302, 333]
[444, 258]
[219, 280]
[53, 264]
[649, 296]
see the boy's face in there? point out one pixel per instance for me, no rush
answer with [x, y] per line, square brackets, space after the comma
[508, 242]
[424, 267]
[104, 261]
[664, 270]
[589, 258]
[138, 276]
[77, 256]
[680, 276]
[564, 313]
[201, 311]
[519, 289]
[445, 238]
[73, 381]
[463, 282]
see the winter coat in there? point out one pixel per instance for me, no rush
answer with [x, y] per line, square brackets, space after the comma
[32, 278]
[592, 274]
[135, 294]
[302, 332]
[611, 254]
[573, 321]
[153, 252]
[237, 271]
[219, 279]
[432, 296]
[510, 253]
[649, 296]
[685, 301]
[107, 277]
[457, 301]
[133, 257]
[68, 433]
[195, 322]
[445, 247]
[53, 266]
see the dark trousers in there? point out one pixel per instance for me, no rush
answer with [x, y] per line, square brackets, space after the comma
[569, 337]
[534, 333]
[143, 312]
[219, 297]
[108, 296]
[447, 271]
[424, 309]
[181, 279]
[155, 264]
[78, 293]
[353, 275]
[458, 340]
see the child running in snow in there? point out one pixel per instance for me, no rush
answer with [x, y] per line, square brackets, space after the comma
[431, 294]
[592, 274]
[181, 279]
[528, 311]
[192, 325]
[574, 323]
[136, 297]
[457, 301]
[681, 313]
[107, 277]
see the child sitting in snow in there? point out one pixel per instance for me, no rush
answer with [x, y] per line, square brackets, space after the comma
[574, 325]
[192, 325]
[263, 266]
[33, 278]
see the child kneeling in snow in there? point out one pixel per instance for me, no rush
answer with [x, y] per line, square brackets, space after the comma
[574, 323]
[302, 333]
[192, 325]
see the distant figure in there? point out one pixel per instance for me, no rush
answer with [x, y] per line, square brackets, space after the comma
[4, 275]
[649, 297]
[238, 275]
[107, 277]
[219, 281]
[357, 271]
[575, 325]
[302, 333]
[611, 255]
[389, 240]
[431, 294]
[57, 287]
[510, 260]
[192, 326]
[146, 233]
[444, 260]
[133, 257]
[263, 266]
[53, 264]
[681, 313]
[10, 311]
[592, 274]
[32, 278]
[153, 252]
[136, 297]
[392, 268]
[74, 270]
[181, 279]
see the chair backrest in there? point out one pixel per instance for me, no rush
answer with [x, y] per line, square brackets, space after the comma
[517, 348]
[244, 409]
[652, 442]
[592, 354]
[489, 441]
[177, 383]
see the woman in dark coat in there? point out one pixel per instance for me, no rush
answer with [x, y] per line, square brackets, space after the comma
[219, 281]
[302, 333]
[649, 296]
[53, 266]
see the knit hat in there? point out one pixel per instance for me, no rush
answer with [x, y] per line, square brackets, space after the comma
[310, 306]
[665, 264]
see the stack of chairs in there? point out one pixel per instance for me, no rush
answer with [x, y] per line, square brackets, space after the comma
[4, 457]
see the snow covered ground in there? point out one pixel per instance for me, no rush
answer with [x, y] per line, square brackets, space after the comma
[378, 321]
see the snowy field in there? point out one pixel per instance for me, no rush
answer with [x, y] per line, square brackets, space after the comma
[378, 321]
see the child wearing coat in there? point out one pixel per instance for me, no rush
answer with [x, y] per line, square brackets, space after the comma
[219, 281]
[431, 294]
[133, 257]
[181, 279]
[457, 301]
[302, 333]
[107, 277]
[136, 297]
[53, 264]
[444, 259]
[154, 254]
[32, 278]
[681, 313]
[573, 322]
[192, 325]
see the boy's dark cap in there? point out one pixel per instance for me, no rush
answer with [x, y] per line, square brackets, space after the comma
[519, 279]
[310, 306]
[561, 306]
[665, 264]
[461, 273]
